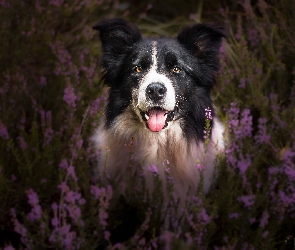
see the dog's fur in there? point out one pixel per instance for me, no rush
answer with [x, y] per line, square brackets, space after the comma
[159, 89]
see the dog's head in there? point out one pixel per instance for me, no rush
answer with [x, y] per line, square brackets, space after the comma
[163, 79]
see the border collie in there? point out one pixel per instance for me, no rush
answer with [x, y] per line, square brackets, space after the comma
[159, 89]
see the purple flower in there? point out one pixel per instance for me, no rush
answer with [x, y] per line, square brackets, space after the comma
[262, 136]
[264, 219]
[208, 113]
[72, 173]
[54, 222]
[265, 234]
[247, 200]
[233, 215]
[79, 144]
[253, 37]
[244, 164]
[167, 237]
[33, 200]
[63, 164]
[70, 197]
[74, 212]
[200, 167]
[9, 247]
[103, 215]
[95, 107]
[243, 82]
[56, 2]
[154, 170]
[69, 96]
[107, 235]
[48, 133]
[42, 82]
[246, 122]
[95, 191]
[33, 197]
[22, 143]
[35, 214]
[204, 217]
[3, 131]
[64, 187]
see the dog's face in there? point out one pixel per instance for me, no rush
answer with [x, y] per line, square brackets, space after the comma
[163, 79]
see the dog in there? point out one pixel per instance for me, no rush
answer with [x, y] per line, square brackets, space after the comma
[159, 103]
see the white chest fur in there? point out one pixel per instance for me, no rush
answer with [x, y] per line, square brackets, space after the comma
[127, 144]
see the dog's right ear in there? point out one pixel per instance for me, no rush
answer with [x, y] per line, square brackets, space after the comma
[117, 38]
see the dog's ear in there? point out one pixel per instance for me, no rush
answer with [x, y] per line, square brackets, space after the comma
[117, 38]
[202, 40]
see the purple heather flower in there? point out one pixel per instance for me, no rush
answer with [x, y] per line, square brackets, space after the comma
[19, 228]
[70, 197]
[95, 107]
[233, 215]
[95, 191]
[48, 135]
[247, 200]
[69, 96]
[244, 164]
[243, 83]
[9, 247]
[253, 37]
[167, 238]
[72, 173]
[79, 144]
[64, 187]
[265, 234]
[36, 213]
[246, 122]
[3, 131]
[107, 235]
[154, 170]
[74, 212]
[42, 82]
[204, 217]
[208, 113]
[262, 136]
[200, 167]
[252, 220]
[54, 222]
[264, 219]
[117, 246]
[22, 142]
[63, 164]
[103, 215]
[33, 197]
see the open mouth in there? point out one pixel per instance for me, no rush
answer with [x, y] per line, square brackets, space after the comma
[157, 118]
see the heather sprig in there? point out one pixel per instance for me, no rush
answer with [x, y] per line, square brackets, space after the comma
[207, 129]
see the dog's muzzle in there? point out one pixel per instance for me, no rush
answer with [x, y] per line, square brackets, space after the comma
[155, 115]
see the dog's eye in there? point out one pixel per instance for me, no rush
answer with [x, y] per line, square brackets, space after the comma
[176, 69]
[137, 69]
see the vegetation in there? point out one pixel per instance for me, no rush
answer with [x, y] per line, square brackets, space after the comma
[51, 98]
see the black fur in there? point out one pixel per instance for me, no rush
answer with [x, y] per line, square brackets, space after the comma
[195, 50]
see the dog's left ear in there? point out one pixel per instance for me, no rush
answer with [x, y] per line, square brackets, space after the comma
[117, 38]
[202, 40]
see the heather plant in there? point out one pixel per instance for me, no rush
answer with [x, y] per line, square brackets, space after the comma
[51, 98]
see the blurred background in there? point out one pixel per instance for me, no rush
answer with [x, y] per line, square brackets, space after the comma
[51, 98]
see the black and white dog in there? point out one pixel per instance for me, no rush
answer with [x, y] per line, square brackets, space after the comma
[159, 89]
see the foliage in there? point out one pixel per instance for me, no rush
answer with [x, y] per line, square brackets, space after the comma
[51, 97]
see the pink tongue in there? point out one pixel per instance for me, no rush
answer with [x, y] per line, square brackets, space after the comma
[157, 120]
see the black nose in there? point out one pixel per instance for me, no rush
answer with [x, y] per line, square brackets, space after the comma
[156, 91]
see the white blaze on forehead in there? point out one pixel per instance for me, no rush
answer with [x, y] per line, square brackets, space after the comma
[152, 76]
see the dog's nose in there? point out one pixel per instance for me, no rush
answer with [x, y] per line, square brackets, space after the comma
[156, 91]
